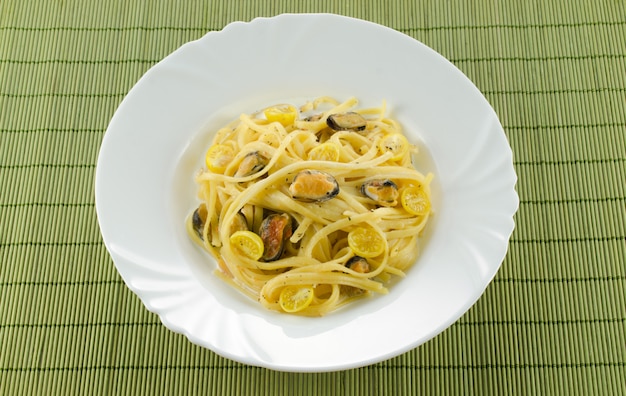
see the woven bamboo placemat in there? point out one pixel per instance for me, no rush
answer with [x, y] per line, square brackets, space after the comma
[553, 321]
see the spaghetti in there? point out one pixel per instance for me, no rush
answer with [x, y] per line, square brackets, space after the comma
[308, 209]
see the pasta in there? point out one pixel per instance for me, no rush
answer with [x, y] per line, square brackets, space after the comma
[307, 209]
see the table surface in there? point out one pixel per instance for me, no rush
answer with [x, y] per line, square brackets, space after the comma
[553, 321]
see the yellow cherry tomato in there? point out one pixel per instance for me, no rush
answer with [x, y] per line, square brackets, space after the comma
[395, 143]
[366, 242]
[248, 244]
[295, 298]
[284, 114]
[328, 151]
[415, 201]
[218, 157]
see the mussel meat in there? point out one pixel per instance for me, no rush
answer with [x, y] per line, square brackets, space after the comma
[314, 186]
[350, 121]
[382, 191]
[275, 230]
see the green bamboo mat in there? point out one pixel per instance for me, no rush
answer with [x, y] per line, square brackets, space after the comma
[552, 322]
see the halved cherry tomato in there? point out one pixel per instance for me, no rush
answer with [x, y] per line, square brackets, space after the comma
[395, 143]
[328, 151]
[415, 201]
[285, 114]
[248, 244]
[366, 242]
[295, 298]
[218, 157]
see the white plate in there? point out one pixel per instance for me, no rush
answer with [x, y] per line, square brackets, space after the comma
[155, 143]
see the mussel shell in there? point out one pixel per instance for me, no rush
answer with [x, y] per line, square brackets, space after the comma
[314, 186]
[198, 218]
[313, 118]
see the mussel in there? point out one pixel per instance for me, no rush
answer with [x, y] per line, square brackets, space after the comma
[239, 223]
[358, 264]
[313, 118]
[198, 218]
[252, 163]
[314, 186]
[350, 121]
[382, 191]
[275, 230]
